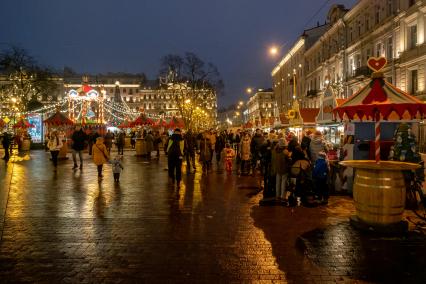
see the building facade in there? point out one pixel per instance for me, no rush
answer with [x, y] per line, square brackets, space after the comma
[337, 60]
[262, 107]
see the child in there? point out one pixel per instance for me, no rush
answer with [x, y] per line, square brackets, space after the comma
[320, 175]
[117, 167]
[229, 157]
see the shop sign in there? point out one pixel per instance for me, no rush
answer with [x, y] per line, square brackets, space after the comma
[35, 132]
[349, 128]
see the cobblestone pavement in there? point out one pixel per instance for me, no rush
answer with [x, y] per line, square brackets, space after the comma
[68, 227]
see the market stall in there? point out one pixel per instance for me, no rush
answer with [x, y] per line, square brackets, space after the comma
[140, 146]
[331, 129]
[301, 119]
[22, 138]
[379, 188]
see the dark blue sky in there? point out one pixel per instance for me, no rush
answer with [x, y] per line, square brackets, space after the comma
[132, 35]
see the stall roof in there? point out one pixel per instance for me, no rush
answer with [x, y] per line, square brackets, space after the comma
[309, 115]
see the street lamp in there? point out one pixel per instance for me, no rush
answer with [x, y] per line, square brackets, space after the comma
[249, 90]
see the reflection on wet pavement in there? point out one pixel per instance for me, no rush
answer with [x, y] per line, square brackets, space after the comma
[344, 250]
[67, 226]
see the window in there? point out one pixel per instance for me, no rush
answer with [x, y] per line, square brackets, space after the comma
[378, 49]
[413, 82]
[389, 52]
[367, 22]
[377, 15]
[390, 8]
[130, 91]
[124, 90]
[412, 33]
[411, 2]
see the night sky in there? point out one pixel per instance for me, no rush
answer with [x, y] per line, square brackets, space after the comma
[97, 36]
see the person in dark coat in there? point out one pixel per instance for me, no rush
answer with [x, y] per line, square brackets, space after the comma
[255, 145]
[121, 139]
[190, 149]
[218, 147]
[6, 141]
[175, 150]
[78, 140]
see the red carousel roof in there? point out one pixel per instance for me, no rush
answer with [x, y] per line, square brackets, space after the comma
[380, 98]
[23, 124]
[58, 119]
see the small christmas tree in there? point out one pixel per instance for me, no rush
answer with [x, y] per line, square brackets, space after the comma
[405, 149]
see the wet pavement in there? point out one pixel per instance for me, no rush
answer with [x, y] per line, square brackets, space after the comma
[68, 227]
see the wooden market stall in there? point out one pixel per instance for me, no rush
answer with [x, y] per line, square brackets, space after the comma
[22, 138]
[301, 119]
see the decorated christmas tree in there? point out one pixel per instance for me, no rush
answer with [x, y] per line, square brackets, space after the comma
[405, 148]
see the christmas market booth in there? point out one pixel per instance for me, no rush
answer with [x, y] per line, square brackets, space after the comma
[331, 129]
[141, 121]
[379, 187]
[301, 119]
[22, 138]
[62, 124]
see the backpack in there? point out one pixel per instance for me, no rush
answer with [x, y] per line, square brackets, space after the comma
[174, 149]
[320, 169]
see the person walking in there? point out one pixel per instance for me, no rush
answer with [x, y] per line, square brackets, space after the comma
[218, 147]
[190, 149]
[255, 145]
[157, 142]
[133, 139]
[281, 165]
[109, 136]
[149, 140]
[6, 141]
[121, 140]
[117, 168]
[175, 152]
[78, 140]
[244, 152]
[229, 155]
[100, 155]
[92, 140]
[205, 150]
[55, 144]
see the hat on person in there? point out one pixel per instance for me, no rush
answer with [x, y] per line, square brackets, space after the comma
[309, 132]
[177, 130]
[318, 133]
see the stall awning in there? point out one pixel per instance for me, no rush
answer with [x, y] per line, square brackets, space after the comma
[309, 115]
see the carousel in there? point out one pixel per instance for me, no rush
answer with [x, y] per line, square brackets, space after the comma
[379, 187]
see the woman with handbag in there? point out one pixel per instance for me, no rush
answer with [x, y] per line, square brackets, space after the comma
[55, 144]
[100, 155]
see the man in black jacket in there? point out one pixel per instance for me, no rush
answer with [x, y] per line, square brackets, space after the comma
[6, 141]
[78, 140]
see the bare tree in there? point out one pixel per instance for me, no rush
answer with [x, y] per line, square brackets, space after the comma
[192, 84]
[25, 80]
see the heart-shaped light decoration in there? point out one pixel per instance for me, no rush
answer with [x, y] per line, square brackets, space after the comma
[376, 63]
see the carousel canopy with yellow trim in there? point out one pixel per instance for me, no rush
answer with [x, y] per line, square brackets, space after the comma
[380, 97]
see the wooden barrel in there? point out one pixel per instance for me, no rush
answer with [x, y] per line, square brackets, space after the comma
[127, 143]
[379, 196]
[140, 147]
[379, 190]
[26, 144]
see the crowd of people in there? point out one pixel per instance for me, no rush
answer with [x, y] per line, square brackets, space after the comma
[290, 171]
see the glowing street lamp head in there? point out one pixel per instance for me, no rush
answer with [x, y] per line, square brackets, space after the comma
[241, 103]
[249, 90]
[273, 50]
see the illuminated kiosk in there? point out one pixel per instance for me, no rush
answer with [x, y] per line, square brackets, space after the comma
[379, 187]
[85, 105]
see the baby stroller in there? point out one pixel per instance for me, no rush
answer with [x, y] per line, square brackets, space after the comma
[301, 185]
